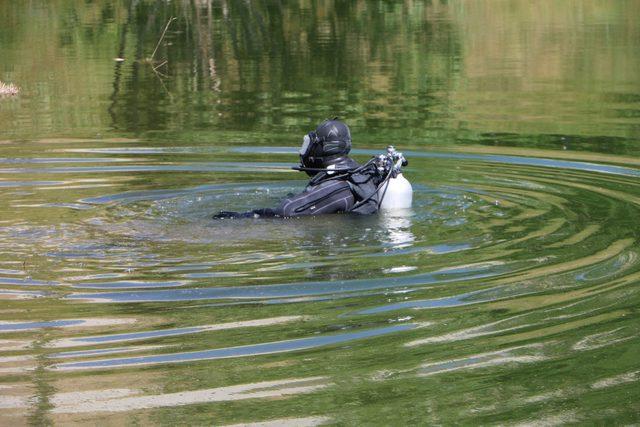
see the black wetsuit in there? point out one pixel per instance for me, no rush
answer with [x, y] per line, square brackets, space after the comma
[327, 192]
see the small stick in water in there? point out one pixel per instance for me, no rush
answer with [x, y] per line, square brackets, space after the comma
[161, 37]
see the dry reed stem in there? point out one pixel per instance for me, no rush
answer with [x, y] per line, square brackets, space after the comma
[162, 37]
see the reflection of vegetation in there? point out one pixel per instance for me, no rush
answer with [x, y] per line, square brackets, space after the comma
[423, 71]
[549, 67]
[248, 65]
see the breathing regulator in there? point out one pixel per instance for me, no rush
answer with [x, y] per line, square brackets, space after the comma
[390, 162]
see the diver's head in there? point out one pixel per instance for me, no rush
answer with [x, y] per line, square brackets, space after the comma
[329, 144]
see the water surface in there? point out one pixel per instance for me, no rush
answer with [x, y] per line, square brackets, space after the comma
[508, 293]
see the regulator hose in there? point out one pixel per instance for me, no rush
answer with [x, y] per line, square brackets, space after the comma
[366, 199]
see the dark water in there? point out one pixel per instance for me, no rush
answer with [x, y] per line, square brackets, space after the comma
[508, 294]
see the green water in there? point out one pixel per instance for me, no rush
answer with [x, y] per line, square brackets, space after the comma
[507, 295]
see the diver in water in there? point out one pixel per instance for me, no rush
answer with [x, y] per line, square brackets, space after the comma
[338, 183]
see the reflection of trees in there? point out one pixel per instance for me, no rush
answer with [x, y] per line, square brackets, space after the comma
[549, 67]
[415, 69]
[53, 51]
[248, 64]
[499, 67]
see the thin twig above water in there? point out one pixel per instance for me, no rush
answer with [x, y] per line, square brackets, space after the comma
[162, 37]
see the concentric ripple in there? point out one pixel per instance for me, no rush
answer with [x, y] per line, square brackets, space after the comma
[505, 264]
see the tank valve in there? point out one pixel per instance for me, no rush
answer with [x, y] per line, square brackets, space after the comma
[396, 192]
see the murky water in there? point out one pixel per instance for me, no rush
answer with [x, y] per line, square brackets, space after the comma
[507, 294]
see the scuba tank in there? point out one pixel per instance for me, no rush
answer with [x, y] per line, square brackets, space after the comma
[395, 192]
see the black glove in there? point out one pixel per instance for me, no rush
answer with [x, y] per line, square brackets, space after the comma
[256, 213]
[228, 215]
